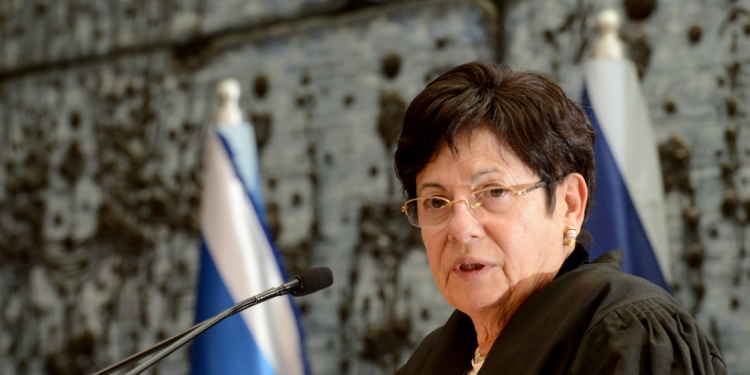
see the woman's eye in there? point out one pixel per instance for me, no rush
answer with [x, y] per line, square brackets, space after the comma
[494, 192]
[435, 203]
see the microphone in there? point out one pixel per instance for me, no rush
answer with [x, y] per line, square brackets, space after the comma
[306, 282]
[312, 280]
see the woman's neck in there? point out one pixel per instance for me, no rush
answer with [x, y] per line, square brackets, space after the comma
[489, 323]
[488, 328]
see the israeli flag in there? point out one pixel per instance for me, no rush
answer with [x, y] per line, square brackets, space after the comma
[628, 208]
[238, 261]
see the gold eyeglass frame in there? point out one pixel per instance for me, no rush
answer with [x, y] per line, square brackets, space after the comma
[450, 203]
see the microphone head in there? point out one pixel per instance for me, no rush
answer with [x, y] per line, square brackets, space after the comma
[313, 280]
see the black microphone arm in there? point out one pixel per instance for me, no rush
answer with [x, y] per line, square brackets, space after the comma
[306, 282]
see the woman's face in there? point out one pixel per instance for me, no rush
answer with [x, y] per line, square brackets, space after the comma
[494, 264]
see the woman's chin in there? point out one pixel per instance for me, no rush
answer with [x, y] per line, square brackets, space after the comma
[477, 299]
[477, 307]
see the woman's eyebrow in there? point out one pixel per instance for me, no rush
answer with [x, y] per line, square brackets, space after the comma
[430, 185]
[474, 178]
[485, 172]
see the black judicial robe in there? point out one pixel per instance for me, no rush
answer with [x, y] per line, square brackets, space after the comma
[591, 319]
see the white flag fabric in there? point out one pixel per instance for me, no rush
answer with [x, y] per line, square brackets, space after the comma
[238, 261]
[628, 209]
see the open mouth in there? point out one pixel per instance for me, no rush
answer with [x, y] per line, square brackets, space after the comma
[471, 267]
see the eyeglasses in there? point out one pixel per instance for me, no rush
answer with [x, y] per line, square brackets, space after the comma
[431, 212]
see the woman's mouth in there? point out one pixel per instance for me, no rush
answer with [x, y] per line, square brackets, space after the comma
[471, 267]
[470, 270]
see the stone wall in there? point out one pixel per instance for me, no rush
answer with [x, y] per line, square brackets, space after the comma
[105, 105]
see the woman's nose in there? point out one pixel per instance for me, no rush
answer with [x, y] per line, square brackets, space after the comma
[462, 224]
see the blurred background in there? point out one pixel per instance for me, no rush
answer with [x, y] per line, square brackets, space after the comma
[105, 107]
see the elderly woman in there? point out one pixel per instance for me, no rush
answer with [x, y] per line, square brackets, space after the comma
[498, 167]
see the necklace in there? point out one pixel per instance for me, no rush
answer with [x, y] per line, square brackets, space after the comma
[478, 357]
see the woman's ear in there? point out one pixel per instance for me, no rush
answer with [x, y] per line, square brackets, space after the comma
[575, 194]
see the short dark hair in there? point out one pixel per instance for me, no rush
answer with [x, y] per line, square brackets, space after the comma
[527, 111]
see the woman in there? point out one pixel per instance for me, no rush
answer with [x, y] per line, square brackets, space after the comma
[498, 167]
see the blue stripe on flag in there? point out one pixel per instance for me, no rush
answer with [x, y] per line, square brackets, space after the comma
[226, 337]
[613, 221]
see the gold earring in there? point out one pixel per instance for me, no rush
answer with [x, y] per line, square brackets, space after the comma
[570, 236]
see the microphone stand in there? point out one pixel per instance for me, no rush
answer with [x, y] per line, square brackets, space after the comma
[175, 342]
[148, 351]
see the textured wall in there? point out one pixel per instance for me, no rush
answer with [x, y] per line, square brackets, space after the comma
[104, 107]
[49, 33]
